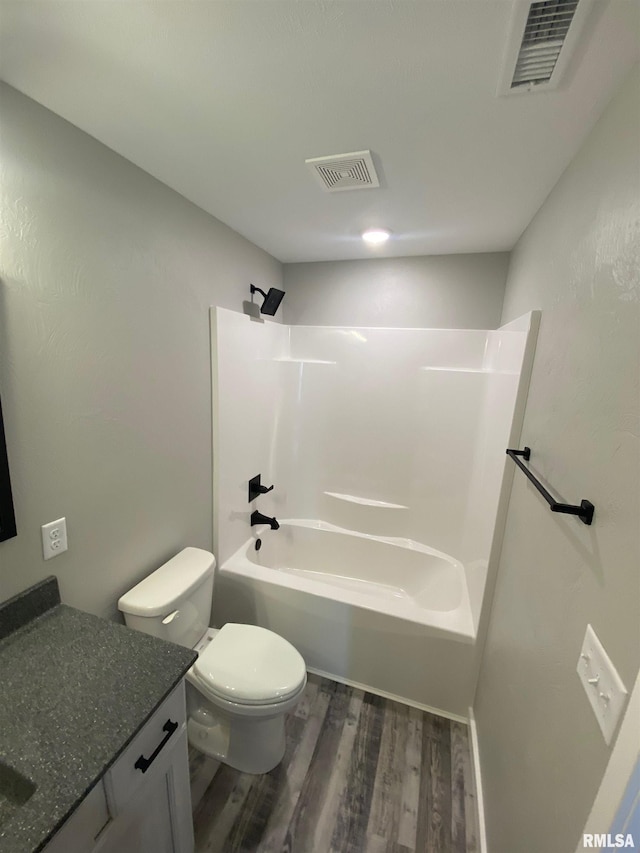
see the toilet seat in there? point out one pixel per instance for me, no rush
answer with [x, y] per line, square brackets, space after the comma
[248, 665]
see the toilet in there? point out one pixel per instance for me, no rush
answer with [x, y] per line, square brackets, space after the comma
[246, 678]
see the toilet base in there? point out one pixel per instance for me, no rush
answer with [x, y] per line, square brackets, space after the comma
[211, 740]
[254, 746]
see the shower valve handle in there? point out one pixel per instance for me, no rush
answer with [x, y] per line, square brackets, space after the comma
[256, 488]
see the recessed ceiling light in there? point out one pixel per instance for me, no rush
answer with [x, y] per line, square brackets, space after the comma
[376, 236]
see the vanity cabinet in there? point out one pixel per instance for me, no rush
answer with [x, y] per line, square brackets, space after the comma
[79, 832]
[143, 802]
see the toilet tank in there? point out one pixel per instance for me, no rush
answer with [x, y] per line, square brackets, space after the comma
[174, 602]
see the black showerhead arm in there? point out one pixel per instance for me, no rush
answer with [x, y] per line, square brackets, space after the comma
[253, 289]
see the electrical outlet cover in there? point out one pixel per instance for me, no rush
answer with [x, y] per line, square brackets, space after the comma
[54, 538]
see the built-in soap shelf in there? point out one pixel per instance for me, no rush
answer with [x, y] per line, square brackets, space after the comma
[486, 370]
[305, 361]
[354, 499]
[456, 369]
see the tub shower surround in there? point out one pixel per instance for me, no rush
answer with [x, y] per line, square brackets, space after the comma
[403, 578]
[387, 451]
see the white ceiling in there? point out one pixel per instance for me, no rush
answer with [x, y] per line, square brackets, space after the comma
[224, 100]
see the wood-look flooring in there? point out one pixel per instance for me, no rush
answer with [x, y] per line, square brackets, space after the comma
[361, 774]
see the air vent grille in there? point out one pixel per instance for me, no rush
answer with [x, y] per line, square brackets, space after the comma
[543, 37]
[352, 171]
[544, 34]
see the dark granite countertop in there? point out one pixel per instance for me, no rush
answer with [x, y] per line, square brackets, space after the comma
[74, 690]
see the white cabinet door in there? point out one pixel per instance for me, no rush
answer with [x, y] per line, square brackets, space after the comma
[142, 812]
[79, 832]
[146, 825]
[151, 811]
[151, 746]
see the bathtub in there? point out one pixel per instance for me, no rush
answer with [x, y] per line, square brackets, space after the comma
[389, 575]
[386, 613]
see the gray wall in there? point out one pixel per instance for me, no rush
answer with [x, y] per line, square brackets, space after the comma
[440, 291]
[542, 754]
[106, 279]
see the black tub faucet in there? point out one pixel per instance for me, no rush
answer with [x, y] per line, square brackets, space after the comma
[259, 518]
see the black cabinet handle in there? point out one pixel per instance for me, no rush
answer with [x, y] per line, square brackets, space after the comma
[145, 763]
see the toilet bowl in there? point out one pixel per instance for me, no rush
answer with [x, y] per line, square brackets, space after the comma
[238, 691]
[245, 679]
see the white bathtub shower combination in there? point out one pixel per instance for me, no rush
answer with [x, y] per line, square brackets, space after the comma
[389, 575]
[386, 451]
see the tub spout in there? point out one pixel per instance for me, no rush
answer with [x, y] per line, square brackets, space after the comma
[259, 518]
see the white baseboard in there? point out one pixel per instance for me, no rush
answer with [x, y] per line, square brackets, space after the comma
[369, 689]
[477, 778]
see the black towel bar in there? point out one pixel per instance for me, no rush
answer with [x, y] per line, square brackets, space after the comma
[584, 511]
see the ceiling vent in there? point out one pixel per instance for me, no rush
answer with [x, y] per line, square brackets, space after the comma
[543, 38]
[339, 172]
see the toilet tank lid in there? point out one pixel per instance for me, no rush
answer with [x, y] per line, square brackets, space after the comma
[161, 590]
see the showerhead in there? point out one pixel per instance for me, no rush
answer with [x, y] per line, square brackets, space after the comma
[272, 299]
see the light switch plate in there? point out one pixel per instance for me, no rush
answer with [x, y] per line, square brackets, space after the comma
[603, 686]
[54, 538]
